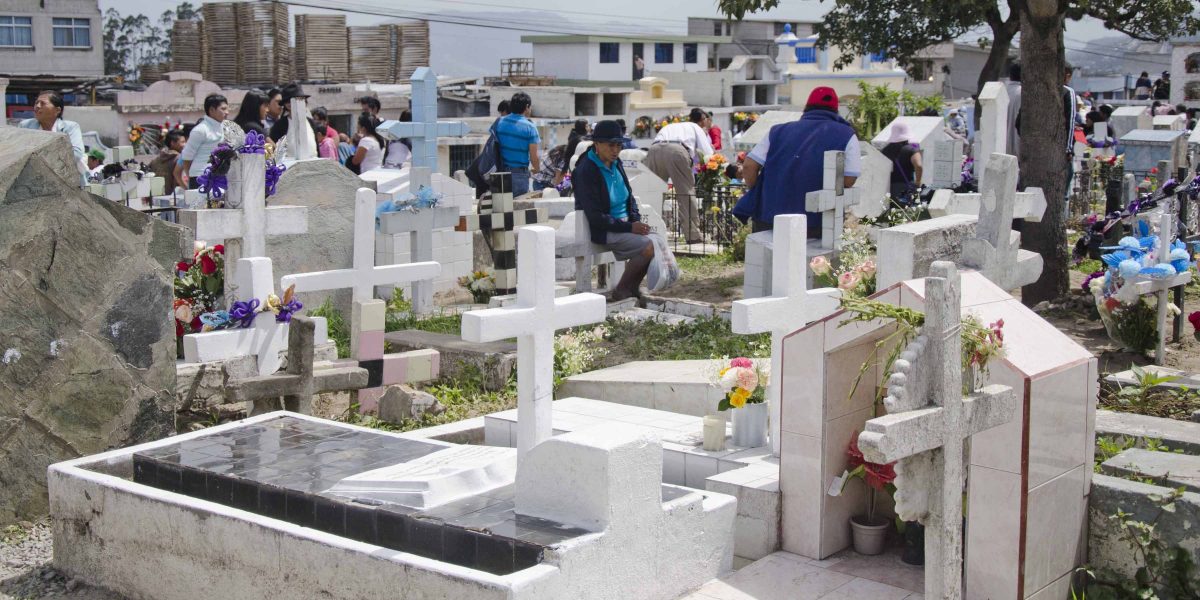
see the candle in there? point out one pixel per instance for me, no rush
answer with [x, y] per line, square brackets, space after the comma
[714, 433]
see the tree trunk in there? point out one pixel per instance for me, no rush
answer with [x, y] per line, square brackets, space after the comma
[993, 67]
[1044, 134]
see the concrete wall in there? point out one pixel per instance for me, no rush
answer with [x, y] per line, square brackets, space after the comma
[565, 61]
[1185, 87]
[707, 88]
[43, 58]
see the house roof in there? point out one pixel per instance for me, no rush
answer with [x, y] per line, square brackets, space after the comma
[587, 39]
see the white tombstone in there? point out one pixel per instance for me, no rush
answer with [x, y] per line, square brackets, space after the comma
[924, 431]
[648, 188]
[302, 142]
[832, 200]
[265, 338]
[874, 184]
[424, 129]
[1128, 118]
[993, 125]
[1170, 122]
[996, 249]
[790, 306]
[1030, 204]
[922, 131]
[420, 226]
[533, 320]
[946, 163]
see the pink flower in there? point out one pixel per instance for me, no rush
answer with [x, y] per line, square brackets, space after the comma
[747, 379]
[848, 280]
[742, 361]
[819, 265]
[867, 268]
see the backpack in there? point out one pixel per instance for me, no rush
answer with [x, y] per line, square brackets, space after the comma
[487, 162]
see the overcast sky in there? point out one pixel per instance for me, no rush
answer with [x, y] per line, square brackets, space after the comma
[467, 50]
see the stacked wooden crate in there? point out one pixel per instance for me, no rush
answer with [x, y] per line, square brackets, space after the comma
[411, 47]
[263, 41]
[185, 46]
[370, 54]
[221, 38]
[321, 45]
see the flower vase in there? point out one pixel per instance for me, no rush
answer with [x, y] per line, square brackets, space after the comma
[750, 425]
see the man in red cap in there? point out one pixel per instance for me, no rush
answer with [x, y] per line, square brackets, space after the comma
[789, 162]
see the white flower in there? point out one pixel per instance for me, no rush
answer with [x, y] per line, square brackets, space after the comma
[1174, 310]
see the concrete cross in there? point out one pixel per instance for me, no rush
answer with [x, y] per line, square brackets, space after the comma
[302, 143]
[248, 219]
[425, 128]
[996, 249]
[533, 319]
[419, 225]
[832, 199]
[299, 383]
[790, 307]
[498, 219]
[1030, 204]
[993, 126]
[265, 339]
[924, 431]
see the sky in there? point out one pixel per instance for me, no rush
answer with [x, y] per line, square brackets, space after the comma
[464, 50]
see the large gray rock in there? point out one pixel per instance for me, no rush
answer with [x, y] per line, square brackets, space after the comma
[86, 333]
[328, 190]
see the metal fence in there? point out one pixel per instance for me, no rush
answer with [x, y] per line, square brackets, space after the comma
[718, 226]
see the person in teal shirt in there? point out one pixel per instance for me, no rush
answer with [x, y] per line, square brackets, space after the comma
[47, 116]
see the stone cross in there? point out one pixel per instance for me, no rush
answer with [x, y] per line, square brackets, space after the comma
[993, 125]
[247, 219]
[265, 338]
[924, 431]
[301, 139]
[995, 249]
[419, 225]
[832, 199]
[299, 383]
[1030, 204]
[947, 163]
[498, 219]
[425, 127]
[790, 307]
[1129, 189]
[533, 319]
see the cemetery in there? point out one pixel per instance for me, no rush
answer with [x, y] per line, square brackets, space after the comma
[301, 382]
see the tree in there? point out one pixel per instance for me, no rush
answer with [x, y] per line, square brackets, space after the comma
[901, 29]
[132, 41]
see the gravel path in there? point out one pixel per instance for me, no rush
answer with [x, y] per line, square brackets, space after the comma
[25, 570]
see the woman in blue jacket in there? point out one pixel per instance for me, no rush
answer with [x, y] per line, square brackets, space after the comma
[603, 193]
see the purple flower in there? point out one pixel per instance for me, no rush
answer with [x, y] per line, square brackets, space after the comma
[285, 311]
[255, 144]
[243, 312]
[212, 184]
[1088, 280]
[274, 171]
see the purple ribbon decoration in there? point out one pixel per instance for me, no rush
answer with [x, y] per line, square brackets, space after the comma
[285, 311]
[244, 312]
[255, 144]
[274, 171]
[213, 185]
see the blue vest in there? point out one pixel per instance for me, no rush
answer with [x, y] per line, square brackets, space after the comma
[795, 165]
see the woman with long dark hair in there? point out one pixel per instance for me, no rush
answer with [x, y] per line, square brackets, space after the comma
[252, 112]
[370, 148]
[578, 133]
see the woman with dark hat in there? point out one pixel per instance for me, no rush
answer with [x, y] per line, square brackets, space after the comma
[603, 193]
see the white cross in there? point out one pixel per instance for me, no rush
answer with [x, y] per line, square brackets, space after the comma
[832, 199]
[302, 142]
[249, 219]
[364, 275]
[265, 339]
[419, 225]
[927, 421]
[533, 319]
[789, 307]
[424, 129]
[1030, 204]
[996, 249]
[992, 136]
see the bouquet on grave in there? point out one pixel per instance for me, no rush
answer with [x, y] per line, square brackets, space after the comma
[743, 382]
[199, 286]
[743, 120]
[481, 285]
[213, 182]
[855, 272]
[667, 121]
[643, 127]
[710, 173]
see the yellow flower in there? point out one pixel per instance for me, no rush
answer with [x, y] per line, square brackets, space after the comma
[716, 209]
[723, 371]
[738, 398]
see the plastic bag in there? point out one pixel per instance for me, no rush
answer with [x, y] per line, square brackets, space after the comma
[664, 270]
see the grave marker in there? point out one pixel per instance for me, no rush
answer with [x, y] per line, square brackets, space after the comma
[947, 158]
[924, 431]
[993, 125]
[533, 320]
[425, 128]
[874, 184]
[832, 200]
[419, 224]
[302, 143]
[790, 306]
[996, 249]
[499, 220]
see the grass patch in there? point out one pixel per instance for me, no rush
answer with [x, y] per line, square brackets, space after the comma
[700, 267]
[463, 397]
[1089, 266]
[339, 329]
[704, 338]
[437, 323]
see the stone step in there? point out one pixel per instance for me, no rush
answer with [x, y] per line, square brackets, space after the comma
[679, 386]
[493, 361]
[1176, 435]
[1170, 469]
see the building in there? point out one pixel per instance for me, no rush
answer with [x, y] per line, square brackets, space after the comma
[569, 102]
[748, 81]
[48, 44]
[1185, 71]
[613, 60]
[807, 67]
[653, 98]
[754, 37]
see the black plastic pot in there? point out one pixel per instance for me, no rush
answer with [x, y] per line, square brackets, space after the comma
[914, 544]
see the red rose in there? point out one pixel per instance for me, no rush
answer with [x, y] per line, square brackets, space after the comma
[197, 324]
[179, 328]
[219, 249]
[208, 266]
[1194, 319]
[1153, 170]
[183, 265]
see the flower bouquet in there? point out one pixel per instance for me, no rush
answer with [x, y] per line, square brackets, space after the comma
[199, 285]
[869, 533]
[213, 181]
[480, 284]
[709, 174]
[744, 385]
[644, 127]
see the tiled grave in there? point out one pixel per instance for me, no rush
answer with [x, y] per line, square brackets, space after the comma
[284, 468]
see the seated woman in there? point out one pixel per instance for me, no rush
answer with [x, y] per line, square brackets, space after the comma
[47, 116]
[603, 193]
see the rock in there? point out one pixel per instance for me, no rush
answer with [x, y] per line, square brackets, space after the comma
[1042, 306]
[85, 302]
[72, 585]
[328, 190]
[401, 402]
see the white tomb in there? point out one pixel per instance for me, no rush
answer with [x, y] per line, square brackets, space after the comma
[992, 136]
[1128, 118]
[923, 131]
[1170, 122]
[874, 184]
[946, 161]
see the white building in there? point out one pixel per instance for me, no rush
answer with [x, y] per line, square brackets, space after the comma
[1185, 71]
[807, 67]
[610, 59]
[748, 81]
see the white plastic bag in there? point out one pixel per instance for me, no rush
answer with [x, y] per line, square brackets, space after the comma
[664, 270]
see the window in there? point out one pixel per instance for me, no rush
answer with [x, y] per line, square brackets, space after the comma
[806, 55]
[16, 32]
[689, 53]
[610, 52]
[72, 33]
[877, 57]
[717, 28]
[664, 53]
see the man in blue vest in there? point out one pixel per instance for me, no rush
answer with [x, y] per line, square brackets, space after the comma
[789, 163]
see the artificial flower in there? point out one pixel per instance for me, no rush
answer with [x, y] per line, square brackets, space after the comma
[182, 310]
[207, 265]
[848, 280]
[219, 249]
[747, 379]
[877, 476]
[820, 265]
[738, 398]
[743, 362]
[182, 266]
[867, 268]
[1173, 310]
[729, 379]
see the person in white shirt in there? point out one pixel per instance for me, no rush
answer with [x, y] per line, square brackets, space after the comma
[47, 116]
[369, 154]
[676, 149]
[202, 140]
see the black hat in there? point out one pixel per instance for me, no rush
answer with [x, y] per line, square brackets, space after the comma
[608, 131]
[292, 90]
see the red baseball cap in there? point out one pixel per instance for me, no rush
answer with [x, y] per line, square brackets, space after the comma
[824, 97]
